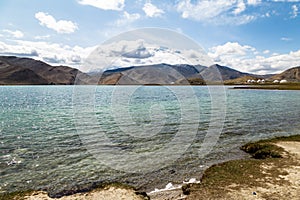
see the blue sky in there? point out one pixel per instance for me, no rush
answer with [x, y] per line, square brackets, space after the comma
[249, 35]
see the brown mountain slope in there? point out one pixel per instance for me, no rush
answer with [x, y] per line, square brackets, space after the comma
[241, 80]
[150, 74]
[19, 76]
[14, 70]
[291, 75]
[217, 73]
[176, 74]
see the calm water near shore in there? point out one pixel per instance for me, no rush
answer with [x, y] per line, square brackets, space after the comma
[46, 142]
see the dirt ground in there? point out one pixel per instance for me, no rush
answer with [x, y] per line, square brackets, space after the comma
[109, 193]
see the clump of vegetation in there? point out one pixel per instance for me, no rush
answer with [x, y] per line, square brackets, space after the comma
[16, 195]
[263, 150]
[266, 149]
[295, 138]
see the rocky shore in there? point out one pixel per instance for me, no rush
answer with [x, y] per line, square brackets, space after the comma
[272, 172]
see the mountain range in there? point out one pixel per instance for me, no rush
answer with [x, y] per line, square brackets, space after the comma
[27, 71]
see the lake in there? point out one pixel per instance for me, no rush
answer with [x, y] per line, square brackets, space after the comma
[62, 138]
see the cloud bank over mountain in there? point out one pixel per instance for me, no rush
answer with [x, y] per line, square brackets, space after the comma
[138, 53]
[135, 53]
[249, 59]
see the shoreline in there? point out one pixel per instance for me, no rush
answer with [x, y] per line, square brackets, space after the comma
[274, 167]
[273, 172]
[295, 86]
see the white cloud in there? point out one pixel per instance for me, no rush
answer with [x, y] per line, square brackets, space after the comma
[215, 11]
[104, 4]
[127, 18]
[203, 9]
[241, 7]
[151, 10]
[15, 34]
[42, 37]
[61, 26]
[267, 15]
[285, 39]
[230, 49]
[245, 58]
[294, 11]
[253, 2]
[52, 53]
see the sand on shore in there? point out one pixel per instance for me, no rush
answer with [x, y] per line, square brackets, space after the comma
[108, 193]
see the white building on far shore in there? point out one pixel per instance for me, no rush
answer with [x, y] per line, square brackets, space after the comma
[251, 81]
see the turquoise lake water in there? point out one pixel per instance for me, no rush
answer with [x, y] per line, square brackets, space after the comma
[66, 138]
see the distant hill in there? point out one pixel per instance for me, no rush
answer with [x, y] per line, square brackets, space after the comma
[217, 73]
[291, 75]
[159, 74]
[14, 70]
[170, 74]
[240, 80]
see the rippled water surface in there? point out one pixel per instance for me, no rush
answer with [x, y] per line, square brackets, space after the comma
[61, 138]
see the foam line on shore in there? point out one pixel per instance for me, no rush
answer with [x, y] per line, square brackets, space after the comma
[170, 186]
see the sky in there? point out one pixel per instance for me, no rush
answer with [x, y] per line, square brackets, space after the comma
[254, 36]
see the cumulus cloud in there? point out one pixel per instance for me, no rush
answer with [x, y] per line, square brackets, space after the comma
[140, 52]
[52, 53]
[247, 59]
[294, 11]
[15, 34]
[54, 60]
[253, 2]
[202, 10]
[104, 4]
[151, 10]
[230, 49]
[215, 11]
[127, 18]
[33, 53]
[61, 26]
[241, 7]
